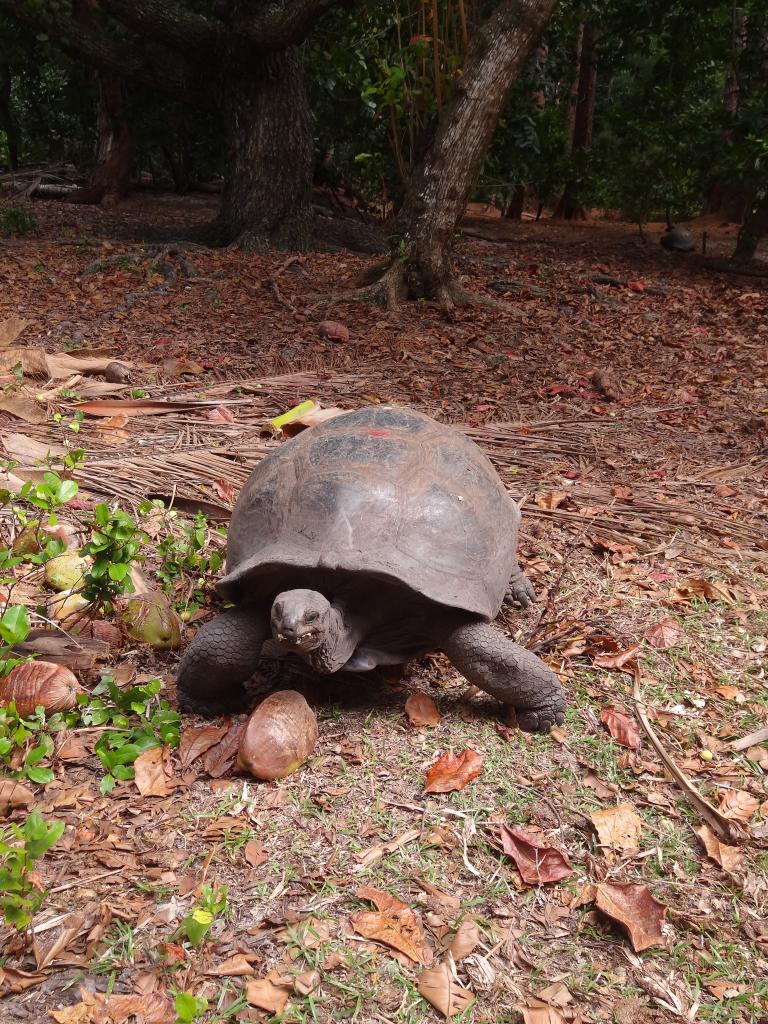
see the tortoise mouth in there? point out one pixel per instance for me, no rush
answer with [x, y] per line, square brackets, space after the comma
[307, 640]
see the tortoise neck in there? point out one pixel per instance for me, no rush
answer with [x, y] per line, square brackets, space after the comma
[339, 645]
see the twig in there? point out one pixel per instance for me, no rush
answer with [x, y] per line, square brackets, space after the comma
[749, 741]
[724, 828]
[84, 881]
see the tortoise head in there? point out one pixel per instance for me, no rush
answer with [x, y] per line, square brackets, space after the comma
[300, 620]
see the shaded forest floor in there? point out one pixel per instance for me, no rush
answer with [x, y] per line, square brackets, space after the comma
[622, 396]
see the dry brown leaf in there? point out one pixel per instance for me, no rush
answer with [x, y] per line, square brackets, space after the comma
[78, 1013]
[618, 827]
[196, 739]
[149, 1008]
[64, 364]
[174, 367]
[634, 907]
[32, 360]
[333, 330]
[25, 449]
[451, 771]
[22, 407]
[698, 588]
[602, 789]
[377, 852]
[537, 864]
[728, 857]
[150, 777]
[621, 726]
[666, 633]
[422, 710]
[465, 940]
[551, 500]
[15, 981]
[10, 330]
[270, 993]
[13, 795]
[738, 805]
[135, 407]
[728, 692]
[254, 853]
[306, 982]
[393, 923]
[236, 966]
[624, 661]
[536, 1012]
[759, 755]
[220, 758]
[220, 414]
[49, 944]
[439, 987]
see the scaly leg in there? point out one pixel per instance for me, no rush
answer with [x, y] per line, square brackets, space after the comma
[220, 660]
[490, 660]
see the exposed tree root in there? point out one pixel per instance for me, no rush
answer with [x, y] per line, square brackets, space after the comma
[399, 282]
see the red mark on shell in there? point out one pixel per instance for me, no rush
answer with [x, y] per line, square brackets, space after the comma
[379, 433]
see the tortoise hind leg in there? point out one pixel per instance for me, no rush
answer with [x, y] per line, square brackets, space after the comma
[490, 660]
[220, 660]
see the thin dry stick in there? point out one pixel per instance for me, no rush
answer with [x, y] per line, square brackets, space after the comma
[749, 741]
[725, 829]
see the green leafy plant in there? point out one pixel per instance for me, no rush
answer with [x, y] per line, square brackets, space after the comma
[198, 922]
[189, 1007]
[184, 553]
[138, 720]
[14, 627]
[20, 846]
[50, 494]
[114, 545]
[18, 220]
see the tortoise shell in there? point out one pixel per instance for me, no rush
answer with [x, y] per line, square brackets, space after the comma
[385, 494]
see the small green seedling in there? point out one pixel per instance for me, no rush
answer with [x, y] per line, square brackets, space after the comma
[197, 923]
[189, 1008]
[138, 721]
[20, 846]
[114, 545]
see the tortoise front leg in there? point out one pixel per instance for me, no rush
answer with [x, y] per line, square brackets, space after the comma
[220, 660]
[508, 672]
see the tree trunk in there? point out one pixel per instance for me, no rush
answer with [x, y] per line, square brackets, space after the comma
[731, 198]
[753, 230]
[115, 150]
[7, 120]
[266, 201]
[441, 183]
[516, 204]
[570, 207]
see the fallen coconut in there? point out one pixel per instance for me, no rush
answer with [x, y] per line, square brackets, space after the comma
[68, 605]
[65, 572]
[150, 619]
[40, 684]
[279, 736]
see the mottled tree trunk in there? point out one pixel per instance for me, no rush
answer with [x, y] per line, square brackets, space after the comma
[753, 230]
[570, 206]
[7, 120]
[441, 184]
[267, 195]
[115, 150]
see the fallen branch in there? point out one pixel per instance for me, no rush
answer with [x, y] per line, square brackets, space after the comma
[760, 736]
[723, 827]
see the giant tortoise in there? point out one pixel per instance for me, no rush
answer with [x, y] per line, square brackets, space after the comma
[371, 539]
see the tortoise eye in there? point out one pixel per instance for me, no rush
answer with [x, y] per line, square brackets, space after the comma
[312, 617]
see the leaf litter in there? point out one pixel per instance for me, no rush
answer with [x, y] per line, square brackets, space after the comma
[664, 522]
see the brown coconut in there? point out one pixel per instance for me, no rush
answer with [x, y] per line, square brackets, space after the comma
[279, 736]
[36, 683]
